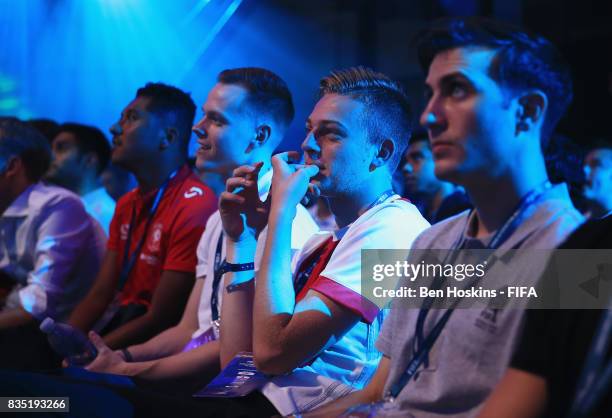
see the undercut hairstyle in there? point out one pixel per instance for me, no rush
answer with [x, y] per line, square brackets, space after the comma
[18, 139]
[523, 60]
[174, 102]
[267, 92]
[89, 139]
[387, 113]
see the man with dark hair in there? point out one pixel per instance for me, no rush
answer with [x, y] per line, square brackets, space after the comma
[150, 262]
[50, 249]
[597, 189]
[305, 321]
[436, 199]
[80, 154]
[495, 94]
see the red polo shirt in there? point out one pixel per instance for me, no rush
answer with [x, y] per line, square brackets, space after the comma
[172, 236]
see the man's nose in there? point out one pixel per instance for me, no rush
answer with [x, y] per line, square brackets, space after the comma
[310, 146]
[408, 168]
[198, 129]
[115, 129]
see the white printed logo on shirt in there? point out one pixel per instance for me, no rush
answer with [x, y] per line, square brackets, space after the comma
[155, 237]
[194, 191]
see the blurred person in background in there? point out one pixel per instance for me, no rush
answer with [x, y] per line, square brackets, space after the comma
[79, 155]
[435, 198]
[50, 248]
[597, 189]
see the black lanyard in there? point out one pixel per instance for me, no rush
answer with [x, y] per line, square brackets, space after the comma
[129, 260]
[217, 275]
[424, 345]
[595, 377]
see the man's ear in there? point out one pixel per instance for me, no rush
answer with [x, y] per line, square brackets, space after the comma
[171, 135]
[532, 107]
[383, 154]
[262, 134]
[13, 165]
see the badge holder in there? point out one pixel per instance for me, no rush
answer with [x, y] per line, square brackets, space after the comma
[237, 379]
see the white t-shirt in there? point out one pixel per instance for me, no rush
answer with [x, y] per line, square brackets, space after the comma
[351, 362]
[303, 228]
[100, 206]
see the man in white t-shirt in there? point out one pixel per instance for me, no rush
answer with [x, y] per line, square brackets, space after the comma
[235, 130]
[308, 325]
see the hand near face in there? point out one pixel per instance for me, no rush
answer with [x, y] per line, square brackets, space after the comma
[107, 361]
[291, 181]
[242, 211]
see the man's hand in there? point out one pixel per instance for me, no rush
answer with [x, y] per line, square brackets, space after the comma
[242, 211]
[107, 361]
[291, 180]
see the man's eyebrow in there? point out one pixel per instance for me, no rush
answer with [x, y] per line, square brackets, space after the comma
[456, 76]
[332, 123]
[446, 78]
[217, 114]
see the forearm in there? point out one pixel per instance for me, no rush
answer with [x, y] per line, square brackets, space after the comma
[85, 315]
[167, 343]
[274, 301]
[135, 331]
[237, 308]
[14, 318]
[201, 363]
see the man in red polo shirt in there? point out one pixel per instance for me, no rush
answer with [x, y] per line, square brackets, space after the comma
[149, 267]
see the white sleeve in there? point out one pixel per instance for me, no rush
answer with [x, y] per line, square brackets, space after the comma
[203, 249]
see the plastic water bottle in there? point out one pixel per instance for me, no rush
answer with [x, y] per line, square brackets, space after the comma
[69, 342]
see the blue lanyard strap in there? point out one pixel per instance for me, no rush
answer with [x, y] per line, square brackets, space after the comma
[424, 345]
[595, 377]
[130, 260]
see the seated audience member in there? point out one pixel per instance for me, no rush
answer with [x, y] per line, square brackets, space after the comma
[306, 322]
[495, 95]
[597, 190]
[117, 181]
[563, 158]
[50, 249]
[80, 154]
[245, 118]
[545, 375]
[150, 261]
[435, 198]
